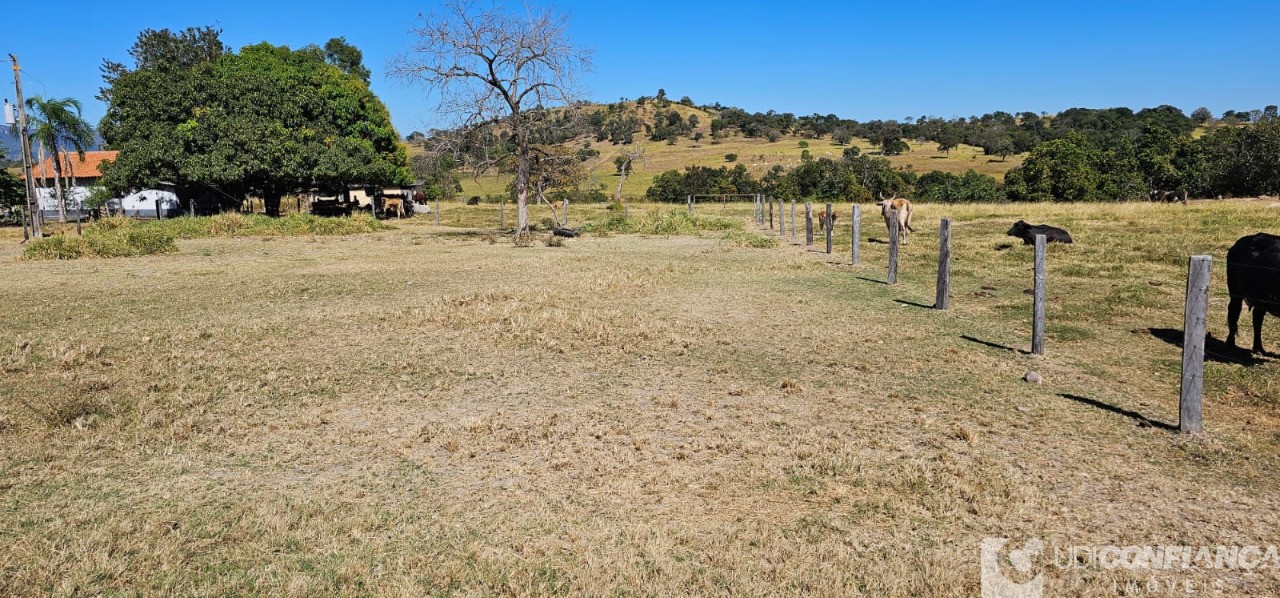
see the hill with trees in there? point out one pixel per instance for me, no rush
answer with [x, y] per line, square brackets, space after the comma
[1079, 154]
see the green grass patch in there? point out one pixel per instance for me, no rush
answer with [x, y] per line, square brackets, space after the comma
[111, 241]
[665, 222]
[240, 225]
[750, 240]
[124, 237]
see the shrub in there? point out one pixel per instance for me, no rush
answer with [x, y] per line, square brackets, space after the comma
[112, 240]
[55, 248]
[731, 157]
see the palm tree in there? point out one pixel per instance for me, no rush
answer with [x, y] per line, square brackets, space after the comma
[57, 124]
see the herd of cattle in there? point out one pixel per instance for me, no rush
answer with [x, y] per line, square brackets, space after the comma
[1253, 263]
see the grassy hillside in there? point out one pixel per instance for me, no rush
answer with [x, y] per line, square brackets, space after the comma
[758, 154]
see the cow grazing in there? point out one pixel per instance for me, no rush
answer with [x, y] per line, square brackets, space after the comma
[1028, 232]
[903, 208]
[1169, 196]
[474, 200]
[1253, 279]
[393, 204]
[822, 219]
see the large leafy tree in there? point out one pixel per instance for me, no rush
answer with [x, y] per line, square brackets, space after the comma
[57, 124]
[12, 191]
[267, 120]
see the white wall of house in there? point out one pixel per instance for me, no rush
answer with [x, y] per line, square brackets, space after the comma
[140, 204]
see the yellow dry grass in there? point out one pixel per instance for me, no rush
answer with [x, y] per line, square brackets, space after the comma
[432, 411]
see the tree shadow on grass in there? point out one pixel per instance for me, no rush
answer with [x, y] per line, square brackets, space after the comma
[871, 280]
[913, 304]
[1141, 419]
[1214, 349]
[993, 345]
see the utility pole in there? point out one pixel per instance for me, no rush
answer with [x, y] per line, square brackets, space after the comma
[33, 206]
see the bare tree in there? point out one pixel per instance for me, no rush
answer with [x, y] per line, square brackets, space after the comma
[494, 67]
[625, 162]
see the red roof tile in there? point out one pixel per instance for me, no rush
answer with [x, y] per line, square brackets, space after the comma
[89, 167]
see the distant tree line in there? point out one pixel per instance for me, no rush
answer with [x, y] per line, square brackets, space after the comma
[853, 177]
[1227, 161]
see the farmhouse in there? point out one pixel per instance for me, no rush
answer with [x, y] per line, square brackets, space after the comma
[81, 176]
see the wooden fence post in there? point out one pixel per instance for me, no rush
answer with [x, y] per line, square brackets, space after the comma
[808, 224]
[770, 213]
[1037, 322]
[158, 215]
[857, 232]
[943, 298]
[892, 276]
[502, 213]
[828, 221]
[437, 210]
[566, 212]
[689, 200]
[782, 219]
[793, 222]
[1191, 401]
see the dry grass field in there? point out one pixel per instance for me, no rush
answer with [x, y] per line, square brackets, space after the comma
[433, 411]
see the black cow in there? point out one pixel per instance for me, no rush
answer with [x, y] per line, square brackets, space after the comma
[1169, 196]
[1028, 232]
[1253, 279]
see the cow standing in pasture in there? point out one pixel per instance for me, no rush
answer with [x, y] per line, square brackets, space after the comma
[1169, 196]
[903, 208]
[393, 204]
[1028, 232]
[1253, 279]
[822, 219]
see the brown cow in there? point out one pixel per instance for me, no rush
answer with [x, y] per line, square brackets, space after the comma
[393, 203]
[903, 207]
[822, 219]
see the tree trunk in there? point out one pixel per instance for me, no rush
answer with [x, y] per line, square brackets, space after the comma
[57, 186]
[271, 202]
[522, 189]
[622, 178]
[539, 193]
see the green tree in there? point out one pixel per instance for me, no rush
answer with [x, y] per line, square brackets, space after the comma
[58, 124]
[841, 136]
[346, 57]
[1063, 169]
[893, 146]
[266, 121]
[12, 192]
[1201, 115]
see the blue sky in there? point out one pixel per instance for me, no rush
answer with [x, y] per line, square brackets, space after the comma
[858, 60]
